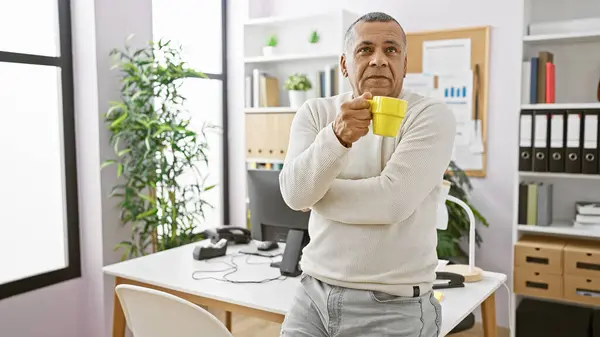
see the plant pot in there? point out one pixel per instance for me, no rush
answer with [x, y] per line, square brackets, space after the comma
[297, 98]
[268, 50]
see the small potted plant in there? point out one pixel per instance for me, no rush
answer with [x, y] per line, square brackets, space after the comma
[297, 86]
[314, 38]
[271, 44]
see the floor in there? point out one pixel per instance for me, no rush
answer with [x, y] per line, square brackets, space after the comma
[252, 327]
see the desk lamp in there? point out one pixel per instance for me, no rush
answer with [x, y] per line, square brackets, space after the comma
[470, 272]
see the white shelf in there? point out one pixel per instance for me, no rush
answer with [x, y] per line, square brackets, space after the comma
[289, 57]
[563, 37]
[283, 20]
[564, 230]
[561, 106]
[283, 109]
[559, 175]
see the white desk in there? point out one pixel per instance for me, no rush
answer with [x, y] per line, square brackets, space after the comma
[171, 271]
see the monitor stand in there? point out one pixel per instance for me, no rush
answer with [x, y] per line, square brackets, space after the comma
[289, 265]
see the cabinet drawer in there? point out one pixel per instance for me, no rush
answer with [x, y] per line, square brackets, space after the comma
[582, 258]
[544, 254]
[538, 284]
[582, 289]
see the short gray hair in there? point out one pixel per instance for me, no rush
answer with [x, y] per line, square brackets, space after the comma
[371, 17]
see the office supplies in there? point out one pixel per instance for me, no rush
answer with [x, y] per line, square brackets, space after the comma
[550, 83]
[267, 245]
[273, 220]
[210, 250]
[526, 82]
[534, 81]
[454, 280]
[526, 141]
[556, 156]
[544, 57]
[522, 216]
[589, 155]
[544, 204]
[540, 143]
[232, 234]
[573, 145]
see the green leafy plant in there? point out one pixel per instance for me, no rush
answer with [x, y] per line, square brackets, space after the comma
[272, 41]
[314, 37]
[157, 152]
[298, 82]
[458, 222]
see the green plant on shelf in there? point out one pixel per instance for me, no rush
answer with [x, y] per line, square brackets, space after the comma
[272, 41]
[449, 240]
[298, 82]
[314, 37]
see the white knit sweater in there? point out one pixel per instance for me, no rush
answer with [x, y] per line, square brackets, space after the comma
[374, 204]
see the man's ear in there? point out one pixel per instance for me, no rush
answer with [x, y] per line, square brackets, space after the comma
[405, 65]
[343, 68]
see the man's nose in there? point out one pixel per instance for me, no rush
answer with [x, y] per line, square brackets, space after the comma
[378, 59]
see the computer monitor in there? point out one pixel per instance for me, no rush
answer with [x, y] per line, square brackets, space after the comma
[272, 219]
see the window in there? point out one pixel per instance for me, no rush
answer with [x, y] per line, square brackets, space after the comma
[199, 27]
[39, 240]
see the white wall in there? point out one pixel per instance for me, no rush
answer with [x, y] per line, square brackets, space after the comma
[493, 194]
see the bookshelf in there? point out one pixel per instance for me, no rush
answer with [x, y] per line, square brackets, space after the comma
[570, 32]
[267, 107]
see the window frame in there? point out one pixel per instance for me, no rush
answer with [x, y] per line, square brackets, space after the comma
[65, 62]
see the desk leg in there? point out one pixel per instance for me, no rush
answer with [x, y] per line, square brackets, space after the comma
[228, 320]
[118, 315]
[488, 316]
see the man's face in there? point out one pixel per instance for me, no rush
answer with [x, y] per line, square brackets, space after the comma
[375, 60]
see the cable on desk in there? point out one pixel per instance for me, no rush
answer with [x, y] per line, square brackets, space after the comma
[232, 268]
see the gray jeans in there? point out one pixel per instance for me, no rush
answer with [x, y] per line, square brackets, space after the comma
[320, 309]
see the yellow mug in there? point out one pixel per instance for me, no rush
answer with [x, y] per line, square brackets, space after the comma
[388, 114]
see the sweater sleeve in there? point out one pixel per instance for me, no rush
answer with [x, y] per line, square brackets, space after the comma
[415, 168]
[314, 159]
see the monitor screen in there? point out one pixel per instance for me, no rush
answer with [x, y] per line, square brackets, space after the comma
[270, 217]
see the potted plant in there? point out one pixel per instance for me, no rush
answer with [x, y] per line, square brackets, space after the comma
[157, 154]
[314, 37]
[297, 86]
[270, 47]
[449, 240]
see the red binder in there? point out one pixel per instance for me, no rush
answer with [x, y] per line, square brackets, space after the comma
[550, 83]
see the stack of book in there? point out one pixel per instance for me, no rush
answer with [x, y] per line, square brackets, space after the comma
[587, 214]
[539, 79]
[535, 203]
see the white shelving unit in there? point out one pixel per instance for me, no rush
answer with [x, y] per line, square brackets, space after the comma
[577, 76]
[294, 53]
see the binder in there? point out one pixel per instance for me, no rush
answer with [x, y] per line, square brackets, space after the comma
[540, 142]
[544, 204]
[522, 203]
[532, 193]
[526, 141]
[589, 155]
[534, 80]
[544, 57]
[556, 156]
[573, 143]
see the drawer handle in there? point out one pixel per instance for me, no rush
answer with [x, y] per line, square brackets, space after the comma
[588, 266]
[536, 273]
[539, 260]
[537, 285]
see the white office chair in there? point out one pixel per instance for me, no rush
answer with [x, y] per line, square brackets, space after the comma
[153, 313]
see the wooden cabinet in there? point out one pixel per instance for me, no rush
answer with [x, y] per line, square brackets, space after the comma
[267, 135]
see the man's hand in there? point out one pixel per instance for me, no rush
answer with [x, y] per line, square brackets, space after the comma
[353, 120]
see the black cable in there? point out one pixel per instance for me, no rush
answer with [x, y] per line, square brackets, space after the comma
[233, 267]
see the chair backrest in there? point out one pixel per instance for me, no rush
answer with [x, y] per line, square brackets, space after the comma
[153, 313]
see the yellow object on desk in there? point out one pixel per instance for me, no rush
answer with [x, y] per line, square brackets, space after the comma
[438, 295]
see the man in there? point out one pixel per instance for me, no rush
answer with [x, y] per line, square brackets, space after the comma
[370, 264]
